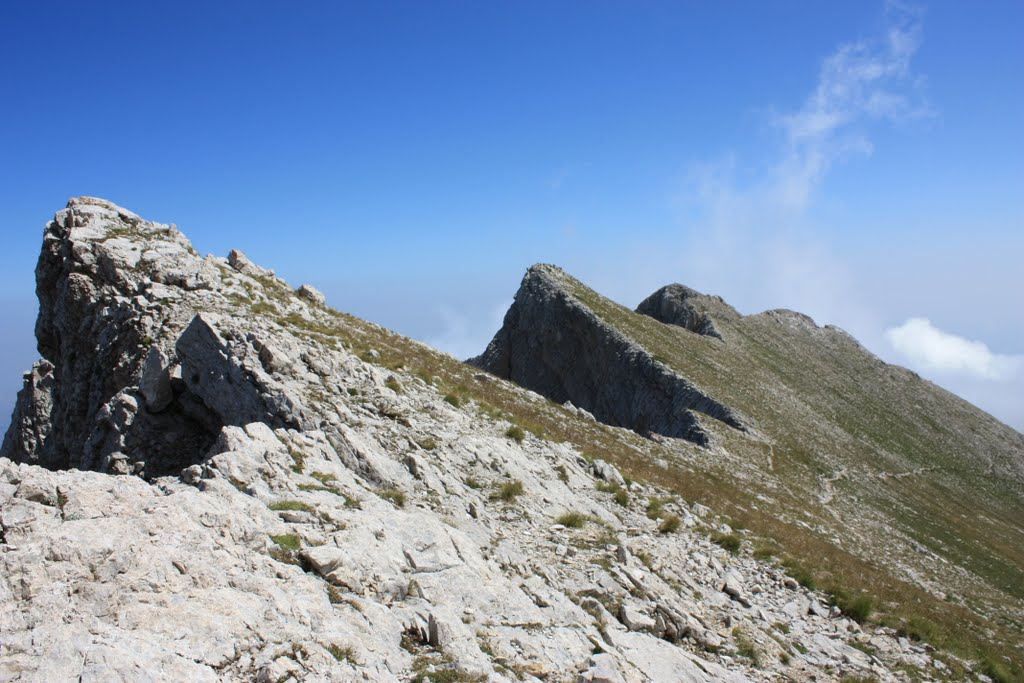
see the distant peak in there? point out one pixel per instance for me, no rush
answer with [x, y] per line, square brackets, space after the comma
[684, 307]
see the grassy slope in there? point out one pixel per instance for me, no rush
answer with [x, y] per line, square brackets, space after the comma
[927, 482]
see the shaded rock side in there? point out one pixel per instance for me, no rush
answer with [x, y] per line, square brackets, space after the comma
[133, 380]
[681, 306]
[554, 345]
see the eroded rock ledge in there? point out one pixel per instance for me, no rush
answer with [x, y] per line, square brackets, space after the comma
[551, 343]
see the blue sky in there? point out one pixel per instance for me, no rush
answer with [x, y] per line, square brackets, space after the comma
[858, 161]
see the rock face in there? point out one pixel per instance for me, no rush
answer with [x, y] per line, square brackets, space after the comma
[681, 306]
[211, 476]
[132, 378]
[552, 343]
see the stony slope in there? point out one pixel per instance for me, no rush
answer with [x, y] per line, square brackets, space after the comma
[212, 476]
[862, 471]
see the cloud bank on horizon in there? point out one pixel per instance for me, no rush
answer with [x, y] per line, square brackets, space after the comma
[926, 346]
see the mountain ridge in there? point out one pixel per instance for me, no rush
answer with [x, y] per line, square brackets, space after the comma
[284, 492]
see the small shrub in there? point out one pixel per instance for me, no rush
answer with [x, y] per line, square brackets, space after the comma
[61, 499]
[473, 483]
[764, 553]
[573, 520]
[335, 595]
[654, 506]
[342, 654]
[510, 490]
[453, 400]
[670, 524]
[746, 647]
[296, 505]
[996, 670]
[606, 487]
[298, 460]
[392, 383]
[730, 542]
[563, 474]
[428, 444]
[858, 607]
[622, 497]
[516, 433]
[393, 495]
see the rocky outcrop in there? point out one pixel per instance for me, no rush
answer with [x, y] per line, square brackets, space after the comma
[133, 379]
[683, 307]
[552, 343]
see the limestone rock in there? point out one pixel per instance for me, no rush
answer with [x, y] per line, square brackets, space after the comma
[313, 294]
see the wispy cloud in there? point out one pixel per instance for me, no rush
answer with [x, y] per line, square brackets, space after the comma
[929, 348]
[863, 80]
[753, 239]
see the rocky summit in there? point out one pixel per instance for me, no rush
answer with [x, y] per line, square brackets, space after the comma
[211, 475]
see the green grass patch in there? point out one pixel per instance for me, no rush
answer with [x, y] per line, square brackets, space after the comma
[296, 505]
[516, 433]
[858, 607]
[394, 496]
[298, 460]
[287, 541]
[573, 520]
[730, 542]
[654, 507]
[324, 477]
[669, 524]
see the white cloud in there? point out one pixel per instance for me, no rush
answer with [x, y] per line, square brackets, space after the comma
[754, 241]
[930, 348]
[861, 80]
